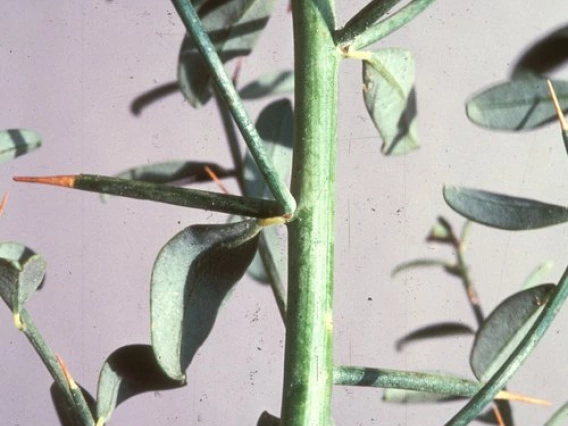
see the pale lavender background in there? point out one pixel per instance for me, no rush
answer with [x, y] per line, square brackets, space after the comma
[71, 69]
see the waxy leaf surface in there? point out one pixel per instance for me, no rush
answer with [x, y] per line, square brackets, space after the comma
[191, 278]
[388, 81]
[233, 27]
[16, 142]
[432, 331]
[21, 273]
[503, 211]
[129, 371]
[517, 105]
[278, 83]
[504, 329]
[65, 414]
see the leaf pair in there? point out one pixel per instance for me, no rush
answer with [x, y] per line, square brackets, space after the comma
[388, 90]
[234, 28]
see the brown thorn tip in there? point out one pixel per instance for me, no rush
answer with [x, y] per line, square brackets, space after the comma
[67, 181]
[66, 373]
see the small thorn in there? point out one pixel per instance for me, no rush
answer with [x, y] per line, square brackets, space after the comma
[215, 179]
[510, 396]
[498, 416]
[3, 203]
[67, 181]
[556, 104]
[70, 381]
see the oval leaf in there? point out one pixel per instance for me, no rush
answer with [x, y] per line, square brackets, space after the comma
[129, 371]
[275, 245]
[16, 252]
[388, 80]
[516, 105]
[16, 142]
[278, 83]
[504, 328]
[503, 211]
[19, 279]
[234, 27]
[191, 278]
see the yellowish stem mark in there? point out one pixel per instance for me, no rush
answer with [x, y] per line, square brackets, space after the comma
[18, 321]
[270, 221]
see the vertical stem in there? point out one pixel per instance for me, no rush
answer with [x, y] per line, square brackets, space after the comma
[308, 360]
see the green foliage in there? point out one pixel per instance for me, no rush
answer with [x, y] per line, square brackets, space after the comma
[192, 276]
[503, 211]
[278, 83]
[388, 81]
[516, 105]
[505, 327]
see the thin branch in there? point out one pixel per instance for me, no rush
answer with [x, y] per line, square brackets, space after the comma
[227, 90]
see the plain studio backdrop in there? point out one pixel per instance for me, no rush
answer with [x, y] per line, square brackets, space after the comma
[70, 70]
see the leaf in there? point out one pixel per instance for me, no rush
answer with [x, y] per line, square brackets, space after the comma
[129, 371]
[516, 105]
[536, 276]
[275, 125]
[65, 414]
[19, 279]
[16, 142]
[544, 56]
[442, 329]
[418, 263]
[191, 278]
[560, 417]
[267, 419]
[388, 80]
[504, 328]
[277, 83]
[15, 252]
[234, 27]
[503, 211]
[275, 243]
[172, 172]
[441, 232]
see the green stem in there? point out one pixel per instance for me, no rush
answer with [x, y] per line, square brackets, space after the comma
[520, 354]
[185, 197]
[74, 400]
[229, 93]
[308, 359]
[366, 17]
[423, 382]
[387, 26]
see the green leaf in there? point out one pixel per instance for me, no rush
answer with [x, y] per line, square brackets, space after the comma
[172, 172]
[537, 275]
[16, 142]
[504, 328]
[516, 105]
[275, 125]
[442, 232]
[15, 252]
[65, 414]
[442, 329]
[267, 419]
[560, 417]
[234, 27]
[419, 263]
[20, 275]
[503, 211]
[388, 80]
[277, 83]
[543, 56]
[191, 278]
[129, 371]
[275, 243]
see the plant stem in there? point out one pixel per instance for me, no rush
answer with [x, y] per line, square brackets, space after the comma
[515, 360]
[227, 90]
[77, 402]
[387, 26]
[308, 359]
[366, 17]
[185, 197]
